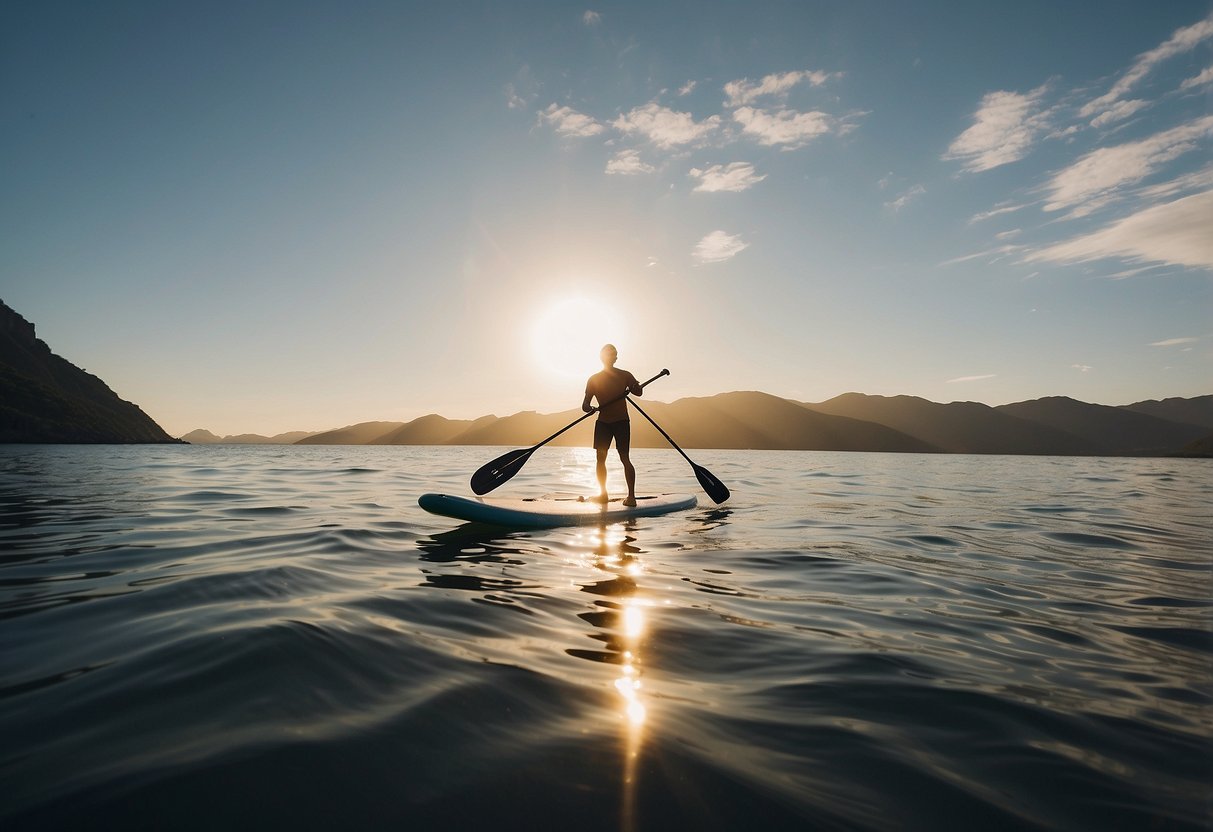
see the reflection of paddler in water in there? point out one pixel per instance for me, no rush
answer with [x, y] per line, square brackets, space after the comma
[609, 387]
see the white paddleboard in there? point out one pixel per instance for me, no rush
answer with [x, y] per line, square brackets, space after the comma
[551, 510]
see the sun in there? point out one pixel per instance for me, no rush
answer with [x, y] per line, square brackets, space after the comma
[567, 335]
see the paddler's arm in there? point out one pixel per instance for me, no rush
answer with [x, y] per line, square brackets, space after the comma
[585, 403]
[634, 386]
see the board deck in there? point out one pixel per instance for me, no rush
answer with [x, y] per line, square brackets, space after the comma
[551, 510]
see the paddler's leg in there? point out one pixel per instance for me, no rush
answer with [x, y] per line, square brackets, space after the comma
[602, 444]
[623, 444]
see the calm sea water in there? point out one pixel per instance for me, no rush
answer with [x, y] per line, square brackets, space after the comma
[254, 637]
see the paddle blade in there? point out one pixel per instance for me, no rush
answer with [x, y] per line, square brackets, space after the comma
[714, 488]
[492, 474]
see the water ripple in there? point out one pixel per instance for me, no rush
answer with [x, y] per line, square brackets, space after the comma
[249, 637]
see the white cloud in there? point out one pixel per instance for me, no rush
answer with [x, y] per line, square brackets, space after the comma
[1174, 342]
[785, 127]
[744, 91]
[666, 128]
[1009, 234]
[1179, 233]
[1094, 178]
[719, 246]
[591, 18]
[687, 88]
[628, 162]
[1003, 130]
[1082, 368]
[1205, 77]
[1182, 40]
[1196, 180]
[964, 379]
[1118, 112]
[982, 216]
[568, 122]
[906, 198]
[735, 176]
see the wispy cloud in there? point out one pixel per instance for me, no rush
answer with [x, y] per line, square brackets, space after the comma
[1174, 342]
[1092, 181]
[1153, 223]
[687, 88]
[1082, 368]
[522, 90]
[591, 18]
[997, 211]
[628, 162]
[1196, 180]
[1205, 77]
[568, 122]
[906, 198]
[1119, 111]
[666, 128]
[1179, 233]
[994, 254]
[965, 379]
[718, 246]
[1004, 128]
[735, 176]
[1182, 40]
[787, 128]
[512, 99]
[745, 91]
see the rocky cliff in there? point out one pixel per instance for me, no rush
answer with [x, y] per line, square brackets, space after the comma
[44, 398]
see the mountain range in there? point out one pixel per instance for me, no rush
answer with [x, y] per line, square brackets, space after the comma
[850, 422]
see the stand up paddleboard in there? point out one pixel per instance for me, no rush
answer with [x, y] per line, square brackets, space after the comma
[551, 510]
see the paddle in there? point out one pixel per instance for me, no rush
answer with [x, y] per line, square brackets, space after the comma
[713, 487]
[501, 469]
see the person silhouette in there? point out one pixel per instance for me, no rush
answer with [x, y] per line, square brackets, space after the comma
[609, 387]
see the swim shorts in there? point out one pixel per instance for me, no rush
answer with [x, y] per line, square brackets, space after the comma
[620, 431]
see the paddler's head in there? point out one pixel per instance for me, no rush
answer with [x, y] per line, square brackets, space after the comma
[609, 355]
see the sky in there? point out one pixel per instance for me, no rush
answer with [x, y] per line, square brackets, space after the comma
[272, 216]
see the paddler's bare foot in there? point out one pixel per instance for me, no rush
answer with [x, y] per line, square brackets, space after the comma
[630, 501]
[601, 498]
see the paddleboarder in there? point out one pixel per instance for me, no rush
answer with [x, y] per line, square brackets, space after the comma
[609, 387]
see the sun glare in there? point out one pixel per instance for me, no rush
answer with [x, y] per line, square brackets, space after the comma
[568, 334]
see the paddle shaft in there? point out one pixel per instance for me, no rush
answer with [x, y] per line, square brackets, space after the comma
[595, 410]
[662, 432]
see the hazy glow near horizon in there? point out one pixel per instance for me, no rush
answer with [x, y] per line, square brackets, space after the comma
[296, 216]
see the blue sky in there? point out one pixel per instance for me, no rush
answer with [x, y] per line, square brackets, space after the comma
[273, 216]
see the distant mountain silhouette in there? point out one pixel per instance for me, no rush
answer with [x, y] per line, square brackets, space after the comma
[729, 420]
[1114, 430]
[959, 427]
[205, 437]
[766, 422]
[850, 422]
[1194, 411]
[363, 433]
[44, 398]
[431, 430]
